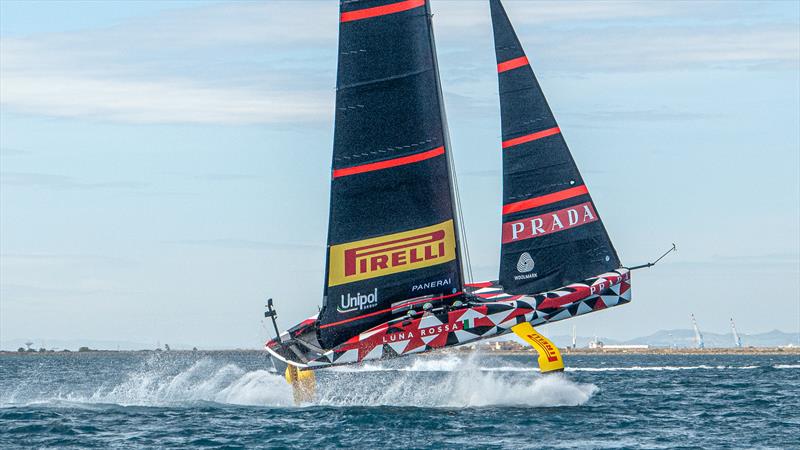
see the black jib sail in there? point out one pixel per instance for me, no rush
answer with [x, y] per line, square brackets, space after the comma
[552, 234]
[392, 233]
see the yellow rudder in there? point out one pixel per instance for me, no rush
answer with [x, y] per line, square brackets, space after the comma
[303, 382]
[549, 357]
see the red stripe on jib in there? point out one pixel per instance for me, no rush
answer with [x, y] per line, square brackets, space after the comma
[512, 64]
[388, 163]
[376, 11]
[531, 137]
[545, 199]
[552, 222]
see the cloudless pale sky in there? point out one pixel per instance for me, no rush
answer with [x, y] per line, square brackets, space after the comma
[165, 165]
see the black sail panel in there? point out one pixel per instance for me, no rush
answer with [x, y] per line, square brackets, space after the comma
[552, 234]
[392, 227]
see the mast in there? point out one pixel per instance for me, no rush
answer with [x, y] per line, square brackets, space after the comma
[698, 336]
[393, 228]
[737, 341]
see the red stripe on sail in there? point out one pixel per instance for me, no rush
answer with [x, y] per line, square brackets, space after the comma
[531, 137]
[512, 64]
[374, 313]
[545, 199]
[376, 11]
[388, 163]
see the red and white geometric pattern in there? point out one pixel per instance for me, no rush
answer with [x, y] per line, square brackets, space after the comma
[488, 312]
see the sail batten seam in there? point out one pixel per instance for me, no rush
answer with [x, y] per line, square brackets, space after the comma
[385, 79]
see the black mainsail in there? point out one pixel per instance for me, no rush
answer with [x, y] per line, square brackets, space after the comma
[392, 230]
[552, 234]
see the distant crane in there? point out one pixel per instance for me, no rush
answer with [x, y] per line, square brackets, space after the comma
[574, 338]
[737, 341]
[698, 336]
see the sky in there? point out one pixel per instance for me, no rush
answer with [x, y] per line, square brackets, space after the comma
[164, 166]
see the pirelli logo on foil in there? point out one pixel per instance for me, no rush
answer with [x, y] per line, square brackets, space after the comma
[393, 253]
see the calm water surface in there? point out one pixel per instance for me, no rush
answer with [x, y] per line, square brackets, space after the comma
[231, 400]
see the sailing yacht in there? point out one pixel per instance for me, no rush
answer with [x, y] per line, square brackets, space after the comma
[395, 281]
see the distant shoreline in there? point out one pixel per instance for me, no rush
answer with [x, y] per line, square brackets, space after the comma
[522, 351]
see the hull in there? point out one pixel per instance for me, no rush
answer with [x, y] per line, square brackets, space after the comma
[485, 312]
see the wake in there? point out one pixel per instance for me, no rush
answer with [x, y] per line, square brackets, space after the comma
[451, 363]
[460, 389]
[446, 381]
[424, 383]
[204, 381]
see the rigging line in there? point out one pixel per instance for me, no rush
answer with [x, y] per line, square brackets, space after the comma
[465, 259]
[462, 249]
[461, 225]
[651, 264]
[673, 249]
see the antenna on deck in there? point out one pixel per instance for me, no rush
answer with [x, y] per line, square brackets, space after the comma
[651, 264]
[271, 313]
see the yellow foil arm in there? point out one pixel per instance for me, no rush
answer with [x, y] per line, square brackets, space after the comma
[304, 384]
[549, 357]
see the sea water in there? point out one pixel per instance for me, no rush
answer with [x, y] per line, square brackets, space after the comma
[234, 400]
